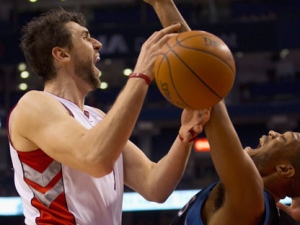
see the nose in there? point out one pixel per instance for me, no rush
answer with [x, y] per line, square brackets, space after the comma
[273, 134]
[97, 44]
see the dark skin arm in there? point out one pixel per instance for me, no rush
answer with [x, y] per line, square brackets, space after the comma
[168, 13]
[242, 182]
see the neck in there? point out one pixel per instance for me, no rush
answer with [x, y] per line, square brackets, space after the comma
[68, 89]
[275, 186]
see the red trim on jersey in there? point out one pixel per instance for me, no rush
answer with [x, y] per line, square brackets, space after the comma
[26, 157]
[42, 189]
[57, 213]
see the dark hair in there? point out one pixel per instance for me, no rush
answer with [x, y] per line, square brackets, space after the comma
[44, 33]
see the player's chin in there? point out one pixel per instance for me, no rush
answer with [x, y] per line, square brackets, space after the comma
[95, 82]
[97, 71]
[248, 149]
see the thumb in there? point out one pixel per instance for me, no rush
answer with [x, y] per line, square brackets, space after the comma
[198, 129]
[283, 207]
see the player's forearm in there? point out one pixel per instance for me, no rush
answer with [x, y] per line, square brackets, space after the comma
[109, 137]
[167, 173]
[168, 14]
[223, 140]
[226, 149]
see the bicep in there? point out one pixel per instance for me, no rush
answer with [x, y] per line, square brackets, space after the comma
[45, 123]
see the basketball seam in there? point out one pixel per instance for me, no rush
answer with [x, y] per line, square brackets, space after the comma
[204, 83]
[171, 78]
[179, 43]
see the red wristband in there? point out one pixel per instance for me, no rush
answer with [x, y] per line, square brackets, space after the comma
[140, 75]
[191, 140]
[192, 134]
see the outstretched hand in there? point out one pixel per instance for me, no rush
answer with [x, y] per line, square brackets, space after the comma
[151, 49]
[293, 210]
[151, 1]
[192, 122]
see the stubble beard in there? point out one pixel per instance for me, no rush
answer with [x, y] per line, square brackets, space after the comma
[85, 70]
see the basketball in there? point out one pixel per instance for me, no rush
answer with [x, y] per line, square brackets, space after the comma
[195, 70]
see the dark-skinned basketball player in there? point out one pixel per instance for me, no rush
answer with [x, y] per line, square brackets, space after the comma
[252, 181]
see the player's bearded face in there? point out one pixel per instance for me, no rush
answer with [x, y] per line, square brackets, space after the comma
[86, 70]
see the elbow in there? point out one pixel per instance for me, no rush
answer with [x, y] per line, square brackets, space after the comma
[98, 167]
[99, 171]
[161, 200]
[157, 198]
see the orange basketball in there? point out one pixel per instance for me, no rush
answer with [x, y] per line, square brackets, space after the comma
[195, 70]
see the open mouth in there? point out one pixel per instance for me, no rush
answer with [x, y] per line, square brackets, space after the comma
[97, 58]
[259, 145]
[261, 141]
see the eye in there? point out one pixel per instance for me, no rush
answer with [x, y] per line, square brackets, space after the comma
[86, 35]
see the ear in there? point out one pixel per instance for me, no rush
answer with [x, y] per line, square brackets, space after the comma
[60, 54]
[285, 170]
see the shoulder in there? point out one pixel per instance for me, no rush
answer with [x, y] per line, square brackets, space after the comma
[35, 104]
[33, 100]
[22, 120]
[32, 94]
[26, 103]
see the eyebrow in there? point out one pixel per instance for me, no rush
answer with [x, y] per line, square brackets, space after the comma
[85, 32]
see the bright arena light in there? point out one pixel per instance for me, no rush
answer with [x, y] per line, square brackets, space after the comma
[103, 85]
[22, 66]
[201, 145]
[25, 74]
[127, 72]
[23, 86]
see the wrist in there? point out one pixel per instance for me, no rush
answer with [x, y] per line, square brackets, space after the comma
[142, 76]
[187, 142]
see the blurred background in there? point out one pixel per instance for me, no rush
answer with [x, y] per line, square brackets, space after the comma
[263, 36]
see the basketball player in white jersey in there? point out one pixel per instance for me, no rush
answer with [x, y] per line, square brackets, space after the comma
[247, 191]
[71, 160]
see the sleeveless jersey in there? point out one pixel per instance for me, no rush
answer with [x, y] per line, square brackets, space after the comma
[53, 193]
[190, 213]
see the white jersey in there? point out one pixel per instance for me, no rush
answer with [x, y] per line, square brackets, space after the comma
[53, 193]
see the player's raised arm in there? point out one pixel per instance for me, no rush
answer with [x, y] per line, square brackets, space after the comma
[168, 13]
[243, 186]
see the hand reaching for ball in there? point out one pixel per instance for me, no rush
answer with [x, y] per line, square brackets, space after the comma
[192, 122]
[151, 48]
